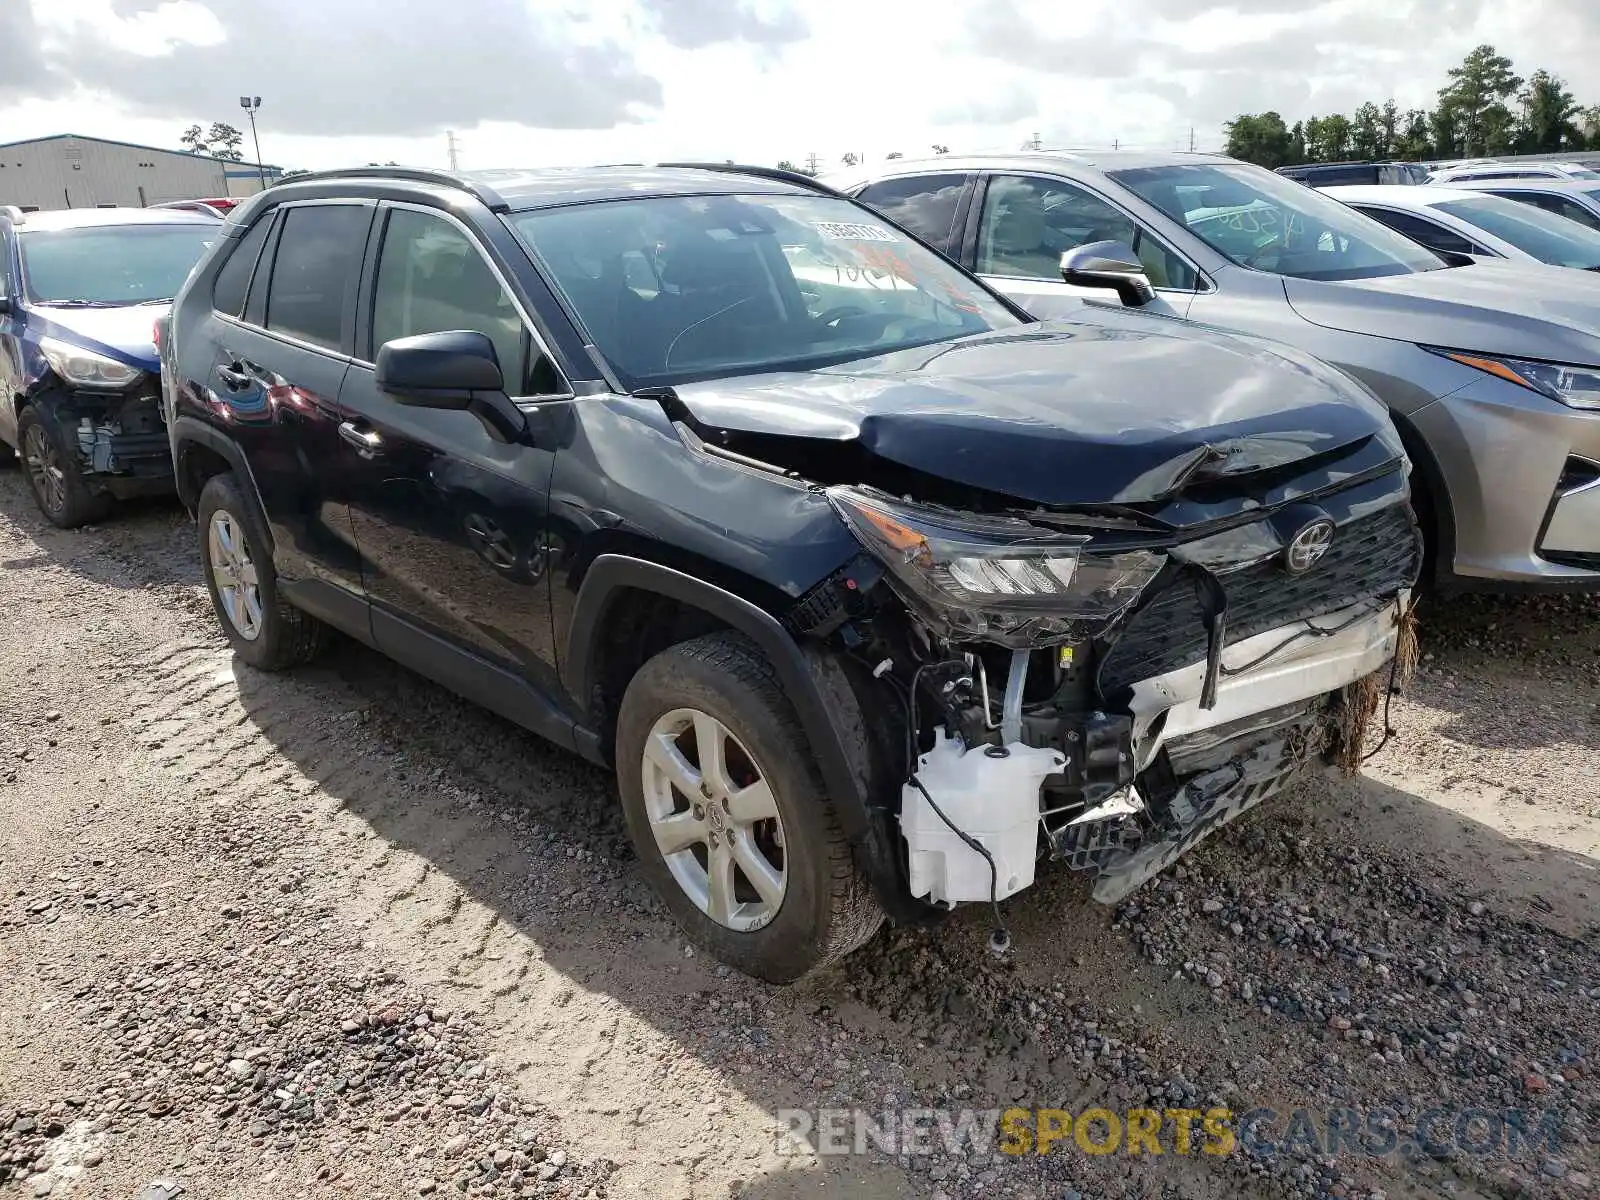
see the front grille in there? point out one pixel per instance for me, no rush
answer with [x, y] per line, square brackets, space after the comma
[1373, 556]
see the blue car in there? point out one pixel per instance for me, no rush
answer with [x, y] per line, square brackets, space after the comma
[80, 294]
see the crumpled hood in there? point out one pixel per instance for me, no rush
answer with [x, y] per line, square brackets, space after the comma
[123, 334]
[1522, 310]
[1121, 410]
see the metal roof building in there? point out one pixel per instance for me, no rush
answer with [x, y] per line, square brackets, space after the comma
[68, 171]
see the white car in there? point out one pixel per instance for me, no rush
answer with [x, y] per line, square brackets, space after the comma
[1462, 172]
[1459, 221]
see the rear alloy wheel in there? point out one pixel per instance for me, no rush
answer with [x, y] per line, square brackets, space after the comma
[234, 573]
[265, 630]
[54, 476]
[726, 811]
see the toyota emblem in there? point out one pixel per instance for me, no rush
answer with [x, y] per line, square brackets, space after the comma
[1307, 547]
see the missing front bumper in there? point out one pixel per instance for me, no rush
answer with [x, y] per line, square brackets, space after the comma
[1287, 700]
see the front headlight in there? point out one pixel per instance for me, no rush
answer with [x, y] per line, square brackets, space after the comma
[85, 368]
[1576, 387]
[994, 578]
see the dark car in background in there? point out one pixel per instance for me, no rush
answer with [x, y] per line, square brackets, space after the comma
[872, 589]
[80, 293]
[1328, 174]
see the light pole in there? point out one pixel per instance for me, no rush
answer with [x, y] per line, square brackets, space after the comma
[250, 104]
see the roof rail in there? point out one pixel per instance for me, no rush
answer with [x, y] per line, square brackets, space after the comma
[487, 195]
[779, 174]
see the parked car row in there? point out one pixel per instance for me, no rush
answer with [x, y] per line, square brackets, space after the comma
[1334, 174]
[873, 587]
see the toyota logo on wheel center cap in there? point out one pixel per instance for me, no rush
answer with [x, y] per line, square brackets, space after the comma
[1307, 547]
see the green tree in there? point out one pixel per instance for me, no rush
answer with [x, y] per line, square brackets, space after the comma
[1388, 128]
[938, 149]
[1550, 115]
[1366, 132]
[849, 159]
[1446, 135]
[894, 154]
[223, 141]
[1473, 104]
[1589, 127]
[1260, 138]
[1415, 139]
[786, 165]
[194, 138]
[1328, 138]
[1297, 143]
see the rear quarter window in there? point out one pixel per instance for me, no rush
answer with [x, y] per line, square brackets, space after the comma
[233, 280]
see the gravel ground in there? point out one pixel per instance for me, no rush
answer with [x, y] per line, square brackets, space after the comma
[340, 932]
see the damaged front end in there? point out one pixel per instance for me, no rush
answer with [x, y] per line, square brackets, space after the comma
[107, 413]
[1107, 689]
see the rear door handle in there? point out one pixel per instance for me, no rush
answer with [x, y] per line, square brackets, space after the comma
[235, 377]
[365, 440]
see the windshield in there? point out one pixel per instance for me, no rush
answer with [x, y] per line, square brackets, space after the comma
[1268, 223]
[1546, 236]
[111, 264]
[687, 287]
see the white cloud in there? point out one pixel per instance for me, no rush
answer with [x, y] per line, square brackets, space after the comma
[568, 81]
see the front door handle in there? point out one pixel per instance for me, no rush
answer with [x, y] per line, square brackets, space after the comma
[364, 440]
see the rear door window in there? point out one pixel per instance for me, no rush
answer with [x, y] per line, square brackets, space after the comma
[315, 270]
[924, 204]
[1422, 231]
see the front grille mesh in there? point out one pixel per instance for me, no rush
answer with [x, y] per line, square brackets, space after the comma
[1372, 556]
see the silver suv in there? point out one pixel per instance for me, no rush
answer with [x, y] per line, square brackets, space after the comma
[1490, 370]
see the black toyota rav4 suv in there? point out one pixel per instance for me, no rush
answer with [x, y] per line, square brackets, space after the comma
[874, 591]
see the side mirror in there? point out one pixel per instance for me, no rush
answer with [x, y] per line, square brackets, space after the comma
[439, 370]
[456, 370]
[1109, 265]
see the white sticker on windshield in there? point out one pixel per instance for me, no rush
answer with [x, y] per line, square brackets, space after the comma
[849, 231]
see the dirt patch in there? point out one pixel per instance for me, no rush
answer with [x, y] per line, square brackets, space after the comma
[341, 931]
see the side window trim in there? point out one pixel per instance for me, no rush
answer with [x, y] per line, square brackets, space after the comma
[347, 313]
[269, 244]
[1440, 227]
[255, 305]
[1203, 284]
[366, 353]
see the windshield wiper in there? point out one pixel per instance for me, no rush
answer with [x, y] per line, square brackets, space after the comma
[79, 303]
[152, 300]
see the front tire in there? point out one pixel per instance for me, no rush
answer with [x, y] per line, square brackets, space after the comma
[54, 475]
[264, 629]
[726, 810]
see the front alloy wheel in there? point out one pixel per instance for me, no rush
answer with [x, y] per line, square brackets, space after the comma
[726, 810]
[234, 574]
[715, 820]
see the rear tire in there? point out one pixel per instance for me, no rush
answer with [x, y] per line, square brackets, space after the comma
[264, 629]
[54, 475]
[813, 905]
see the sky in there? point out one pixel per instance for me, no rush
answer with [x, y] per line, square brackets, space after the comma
[560, 82]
